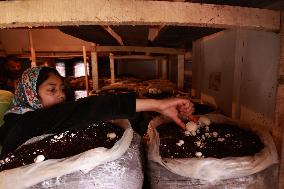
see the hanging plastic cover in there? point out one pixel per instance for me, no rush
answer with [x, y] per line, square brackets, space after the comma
[212, 169]
[29, 175]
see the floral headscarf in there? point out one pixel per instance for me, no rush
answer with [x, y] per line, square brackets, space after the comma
[26, 98]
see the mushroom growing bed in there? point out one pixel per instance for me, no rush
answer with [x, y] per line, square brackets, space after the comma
[64, 144]
[202, 141]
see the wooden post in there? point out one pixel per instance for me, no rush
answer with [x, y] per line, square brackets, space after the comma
[157, 63]
[164, 69]
[180, 70]
[111, 64]
[239, 58]
[33, 55]
[95, 73]
[279, 110]
[86, 70]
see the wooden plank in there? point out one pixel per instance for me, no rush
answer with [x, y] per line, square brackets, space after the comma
[164, 65]
[30, 13]
[160, 50]
[180, 79]
[95, 73]
[86, 70]
[111, 64]
[33, 55]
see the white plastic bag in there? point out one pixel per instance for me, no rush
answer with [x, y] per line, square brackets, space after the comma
[212, 169]
[126, 172]
[29, 175]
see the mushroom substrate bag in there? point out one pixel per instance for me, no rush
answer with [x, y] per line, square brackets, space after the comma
[212, 169]
[124, 173]
[29, 175]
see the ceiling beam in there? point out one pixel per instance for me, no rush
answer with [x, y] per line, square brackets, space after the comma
[158, 50]
[30, 13]
[114, 34]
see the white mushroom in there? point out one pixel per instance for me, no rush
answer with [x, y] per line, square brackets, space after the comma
[191, 126]
[111, 136]
[205, 120]
[39, 158]
[198, 154]
[187, 133]
[180, 143]
[193, 133]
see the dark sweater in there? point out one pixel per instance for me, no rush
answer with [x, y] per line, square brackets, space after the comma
[18, 128]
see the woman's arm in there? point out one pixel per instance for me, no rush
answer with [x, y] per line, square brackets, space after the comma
[169, 107]
[18, 128]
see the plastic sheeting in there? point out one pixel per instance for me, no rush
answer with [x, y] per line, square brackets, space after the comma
[79, 165]
[123, 173]
[160, 177]
[213, 169]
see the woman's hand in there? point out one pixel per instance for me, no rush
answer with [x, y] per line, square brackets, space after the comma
[171, 108]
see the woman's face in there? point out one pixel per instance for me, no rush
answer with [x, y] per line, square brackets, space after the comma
[51, 91]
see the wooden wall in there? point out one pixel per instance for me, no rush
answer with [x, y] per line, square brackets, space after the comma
[239, 70]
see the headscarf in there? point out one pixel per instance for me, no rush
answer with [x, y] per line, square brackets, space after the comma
[26, 98]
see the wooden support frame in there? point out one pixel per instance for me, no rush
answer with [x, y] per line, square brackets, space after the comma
[180, 80]
[95, 73]
[139, 57]
[164, 68]
[86, 70]
[157, 68]
[32, 55]
[279, 109]
[114, 34]
[31, 13]
[239, 61]
[154, 32]
[160, 50]
[111, 64]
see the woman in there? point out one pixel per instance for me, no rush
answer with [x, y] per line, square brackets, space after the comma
[40, 108]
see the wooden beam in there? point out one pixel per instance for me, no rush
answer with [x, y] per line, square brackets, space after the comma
[111, 64]
[114, 34]
[180, 70]
[160, 50]
[32, 55]
[51, 55]
[95, 73]
[30, 13]
[139, 57]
